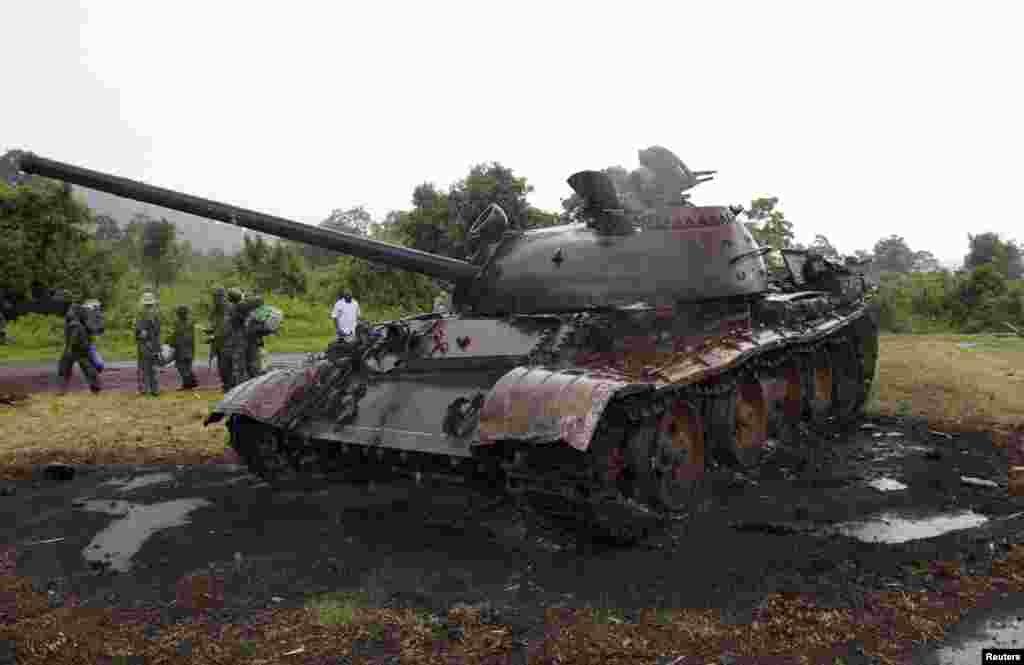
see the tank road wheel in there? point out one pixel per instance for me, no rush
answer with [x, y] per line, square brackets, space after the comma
[751, 429]
[678, 458]
[738, 425]
[259, 446]
[866, 347]
[848, 382]
[819, 384]
[792, 400]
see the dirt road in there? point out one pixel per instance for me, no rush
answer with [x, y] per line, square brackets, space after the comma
[131, 536]
[32, 377]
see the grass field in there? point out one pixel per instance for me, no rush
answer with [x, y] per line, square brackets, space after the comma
[108, 428]
[959, 381]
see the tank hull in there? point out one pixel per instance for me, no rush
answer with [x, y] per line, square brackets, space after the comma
[550, 405]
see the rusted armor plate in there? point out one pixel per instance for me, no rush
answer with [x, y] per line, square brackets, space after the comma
[265, 397]
[542, 405]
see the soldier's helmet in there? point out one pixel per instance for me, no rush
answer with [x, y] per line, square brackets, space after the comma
[235, 294]
[182, 311]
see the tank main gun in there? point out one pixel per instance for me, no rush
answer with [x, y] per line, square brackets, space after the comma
[434, 265]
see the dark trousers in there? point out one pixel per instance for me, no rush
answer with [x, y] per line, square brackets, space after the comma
[225, 369]
[149, 370]
[184, 367]
[67, 364]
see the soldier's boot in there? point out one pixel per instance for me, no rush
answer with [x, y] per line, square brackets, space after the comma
[188, 378]
[91, 374]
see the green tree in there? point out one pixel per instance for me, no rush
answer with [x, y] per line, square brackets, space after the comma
[770, 228]
[439, 222]
[286, 272]
[925, 261]
[46, 243]
[354, 221]
[107, 229]
[991, 248]
[428, 226]
[892, 254]
[768, 224]
[277, 268]
[975, 307]
[491, 183]
[161, 255]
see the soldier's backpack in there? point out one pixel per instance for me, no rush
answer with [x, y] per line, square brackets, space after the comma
[264, 320]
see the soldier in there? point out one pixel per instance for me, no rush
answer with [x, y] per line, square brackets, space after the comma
[183, 341]
[216, 333]
[234, 337]
[147, 339]
[76, 349]
[3, 323]
[240, 341]
[253, 341]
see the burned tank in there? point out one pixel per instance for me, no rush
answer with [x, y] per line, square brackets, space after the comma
[602, 367]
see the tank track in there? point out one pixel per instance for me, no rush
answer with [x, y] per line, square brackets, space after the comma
[621, 488]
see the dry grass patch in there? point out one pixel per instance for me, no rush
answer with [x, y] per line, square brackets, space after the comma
[113, 427]
[962, 387]
[785, 628]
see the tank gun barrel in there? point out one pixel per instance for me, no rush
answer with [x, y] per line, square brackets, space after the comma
[439, 267]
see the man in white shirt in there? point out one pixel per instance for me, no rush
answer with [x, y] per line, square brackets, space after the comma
[346, 316]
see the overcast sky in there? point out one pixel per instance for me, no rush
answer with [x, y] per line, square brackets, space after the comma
[865, 118]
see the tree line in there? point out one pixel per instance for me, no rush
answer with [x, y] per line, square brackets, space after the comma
[916, 293]
[50, 239]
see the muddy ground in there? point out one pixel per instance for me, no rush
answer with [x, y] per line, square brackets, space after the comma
[128, 536]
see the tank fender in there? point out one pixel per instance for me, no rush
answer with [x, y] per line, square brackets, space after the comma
[265, 397]
[542, 406]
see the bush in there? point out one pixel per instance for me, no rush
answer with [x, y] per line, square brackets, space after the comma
[936, 302]
[37, 331]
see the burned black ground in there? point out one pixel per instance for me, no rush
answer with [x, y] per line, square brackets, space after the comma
[770, 530]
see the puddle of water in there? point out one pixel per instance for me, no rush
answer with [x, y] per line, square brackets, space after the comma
[108, 506]
[124, 537]
[887, 485]
[1000, 633]
[141, 481]
[893, 528]
[883, 451]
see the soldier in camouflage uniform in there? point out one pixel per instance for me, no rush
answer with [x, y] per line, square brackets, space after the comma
[76, 349]
[183, 341]
[234, 337]
[147, 340]
[216, 333]
[240, 342]
[253, 341]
